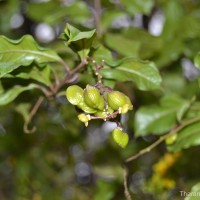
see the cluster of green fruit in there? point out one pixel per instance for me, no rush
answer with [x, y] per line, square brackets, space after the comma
[97, 103]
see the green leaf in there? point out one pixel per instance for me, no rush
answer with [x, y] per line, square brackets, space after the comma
[157, 119]
[12, 93]
[23, 52]
[143, 73]
[79, 41]
[194, 194]
[197, 60]
[126, 46]
[189, 136]
[138, 6]
[41, 75]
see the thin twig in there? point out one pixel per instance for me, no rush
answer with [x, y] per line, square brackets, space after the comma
[31, 115]
[97, 16]
[126, 190]
[162, 138]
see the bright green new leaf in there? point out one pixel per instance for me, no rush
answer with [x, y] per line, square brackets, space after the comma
[189, 136]
[23, 52]
[79, 41]
[143, 73]
[11, 94]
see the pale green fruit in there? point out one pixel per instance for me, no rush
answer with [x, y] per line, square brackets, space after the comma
[120, 137]
[171, 139]
[128, 101]
[101, 105]
[83, 118]
[124, 109]
[116, 99]
[74, 94]
[92, 96]
[83, 106]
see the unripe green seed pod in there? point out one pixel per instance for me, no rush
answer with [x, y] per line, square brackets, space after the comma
[83, 118]
[101, 105]
[74, 94]
[91, 96]
[83, 106]
[124, 109]
[101, 114]
[171, 139]
[128, 101]
[116, 99]
[120, 137]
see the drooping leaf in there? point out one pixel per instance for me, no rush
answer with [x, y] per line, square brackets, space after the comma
[157, 119]
[143, 73]
[11, 94]
[23, 52]
[41, 75]
[79, 41]
[189, 136]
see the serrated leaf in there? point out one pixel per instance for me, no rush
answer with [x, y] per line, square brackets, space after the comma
[157, 119]
[12, 93]
[143, 73]
[23, 52]
[189, 136]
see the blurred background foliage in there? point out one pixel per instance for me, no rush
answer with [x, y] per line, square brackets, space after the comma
[65, 160]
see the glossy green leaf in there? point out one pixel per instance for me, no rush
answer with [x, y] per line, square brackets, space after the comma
[194, 194]
[79, 41]
[38, 74]
[143, 73]
[23, 52]
[189, 136]
[11, 94]
[157, 119]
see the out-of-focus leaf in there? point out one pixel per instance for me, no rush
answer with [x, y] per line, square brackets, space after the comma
[23, 52]
[189, 136]
[138, 6]
[41, 75]
[12, 93]
[143, 73]
[52, 12]
[122, 45]
[157, 119]
[197, 60]
[105, 190]
[195, 191]
[79, 41]
[24, 110]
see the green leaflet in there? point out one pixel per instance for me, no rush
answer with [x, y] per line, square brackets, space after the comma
[23, 52]
[11, 94]
[143, 73]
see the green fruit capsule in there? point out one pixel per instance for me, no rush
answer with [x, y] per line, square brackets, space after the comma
[171, 139]
[120, 137]
[116, 99]
[84, 107]
[83, 118]
[74, 94]
[91, 96]
[128, 101]
[101, 105]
